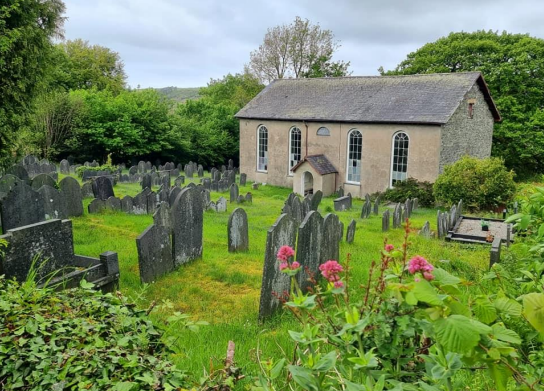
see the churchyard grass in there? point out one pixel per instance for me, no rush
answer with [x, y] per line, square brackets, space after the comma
[223, 288]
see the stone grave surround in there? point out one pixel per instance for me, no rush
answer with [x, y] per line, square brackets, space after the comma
[318, 241]
[51, 242]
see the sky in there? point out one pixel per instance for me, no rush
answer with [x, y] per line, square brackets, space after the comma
[185, 43]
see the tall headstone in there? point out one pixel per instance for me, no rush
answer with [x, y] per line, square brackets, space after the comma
[330, 242]
[21, 206]
[54, 203]
[316, 200]
[102, 188]
[187, 226]
[243, 178]
[64, 167]
[72, 195]
[87, 190]
[154, 253]
[309, 248]
[141, 167]
[42, 180]
[221, 205]
[350, 233]
[425, 230]
[151, 202]
[127, 204]
[147, 181]
[238, 233]
[274, 283]
[386, 218]
[376, 207]
[234, 193]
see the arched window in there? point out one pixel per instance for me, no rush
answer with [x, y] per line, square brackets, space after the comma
[355, 149]
[295, 147]
[262, 148]
[399, 161]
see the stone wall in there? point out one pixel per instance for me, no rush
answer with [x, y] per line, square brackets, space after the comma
[463, 135]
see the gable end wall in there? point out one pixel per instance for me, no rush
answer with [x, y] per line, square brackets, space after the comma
[465, 136]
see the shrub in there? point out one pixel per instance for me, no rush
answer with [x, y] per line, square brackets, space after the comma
[105, 167]
[80, 339]
[411, 188]
[480, 183]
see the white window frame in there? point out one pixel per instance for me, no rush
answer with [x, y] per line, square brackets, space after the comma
[258, 148]
[348, 159]
[290, 171]
[393, 155]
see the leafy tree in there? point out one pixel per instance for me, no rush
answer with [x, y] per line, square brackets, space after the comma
[26, 30]
[84, 66]
[235, 90]
[513, 67]
[295, 50]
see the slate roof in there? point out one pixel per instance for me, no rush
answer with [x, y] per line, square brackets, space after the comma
[421, 99]
[320, 163]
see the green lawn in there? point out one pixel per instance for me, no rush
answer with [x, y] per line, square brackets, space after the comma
[223, 289]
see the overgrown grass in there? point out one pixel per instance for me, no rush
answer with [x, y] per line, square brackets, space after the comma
[224, 288]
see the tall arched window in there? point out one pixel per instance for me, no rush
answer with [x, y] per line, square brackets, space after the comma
[262, 148]
[399, 161]
[355, 149]
[295, 147]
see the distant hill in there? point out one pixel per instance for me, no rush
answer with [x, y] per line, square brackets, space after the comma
[179, 94]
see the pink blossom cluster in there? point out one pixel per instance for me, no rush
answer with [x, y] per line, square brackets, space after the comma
[420, 264]
[330, 270]
[284, 253]
[389, 248]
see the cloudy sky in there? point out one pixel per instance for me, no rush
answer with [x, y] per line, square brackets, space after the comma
[184, 43]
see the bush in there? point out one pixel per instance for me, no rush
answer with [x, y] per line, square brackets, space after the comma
[411, 188]
[105, 167]
[480, 183]
[80, 339]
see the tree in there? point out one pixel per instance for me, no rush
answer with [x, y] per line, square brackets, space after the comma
[26, 30]
[294, 50]
[84, 66]
[513, 67]
[235, 90]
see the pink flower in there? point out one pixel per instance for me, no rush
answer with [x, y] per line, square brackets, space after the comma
[389, 247]
[284, 253]
[338, 284]
[284, 266]
[417, 279]
[419, 264]
[330, 270]
[428, 276]
[295, 265]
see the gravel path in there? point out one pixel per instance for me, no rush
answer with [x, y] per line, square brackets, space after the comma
[474, 227]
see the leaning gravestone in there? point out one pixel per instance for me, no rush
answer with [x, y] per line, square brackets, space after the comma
[174, 192]
[350, 234]
[151, 202]
[72, 196]
[234, 193]
[139, 203]
[397, 216]
[187, 226]
[7, 182]
[309, 247]
[87, 190]
[365, 212]
[275, 283]
[330, 241]
[425, 230]
[238, 234]
[316, 200]
[54, 204]
[127, 204]
[180, 180]
[102, 188]
[161, 217]
[342, 203]
[96, 206]
[21, 206]
[221, 205]
[20, 172]
[113, 203]
[154, 253]
[376, 207]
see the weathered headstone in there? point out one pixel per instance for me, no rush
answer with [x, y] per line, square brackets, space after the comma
[207, 183]
[7, 182]
[309, 247]
[165, 180]
[274, 282]
[64, 167]
[21, 206]
[495, 253]
[72, 196]
[151, 202]
[147, 181]
[154, 253]
[139, 203]
[342, 203]
[350, 233]
[174, 192]
[42, 180]
[316, 200]
[238, 233]
[127, 204]
[102, 188]
[243, 178]
[425, 231]
[221, 205]
[180, 180]
[330, 242]
[386, 218]
[249, 198]
[96, 206]
[397, 216]
[365, 212]
[87, 190]
[187, 226]
[54, 204]
[20, 172]
[141, 167]
[113, 203]
[376, 207]
[234, 193]
[255, 186]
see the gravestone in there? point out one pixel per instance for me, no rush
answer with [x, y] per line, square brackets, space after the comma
[207, 183]
[127, 204]
[174, 192]
[180, 180]
[241, 199]
[340, 192]
[350, 233]
[21, 206]
[495, 253]
[139, 203]
[221, 205]
[113, 203]
[234, 193]
[397, 216]
[306, 203]
[206, 198]
[96, 206]
[147, 181]
[161, 217]
[72, 195]
[163, 194]
[425, 230]
[231, 164]
[407, 208]
[238, 233]
[141, 167]
[187, 226]
[330, 242]
[165, 180]
[376, 207]
[151, 202]
[274, 282]
[365, 212]
[54, 204]
[87, 190]
[20, 172]
[386, 218]
[316, 200]
[342, 203]
[102, 188]
[154, 253]
[64, 167]
[249, 198]
[243, 179]
[200, 171]
[133, 170]
[7, 182]
[309, 247]
[255, 186]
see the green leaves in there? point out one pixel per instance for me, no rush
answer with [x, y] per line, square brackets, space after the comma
[424, 292]
[533, 310]
[458, 333]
